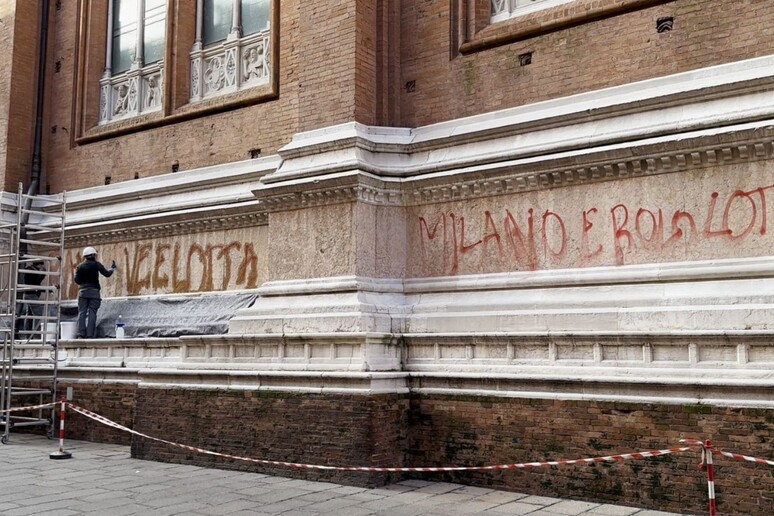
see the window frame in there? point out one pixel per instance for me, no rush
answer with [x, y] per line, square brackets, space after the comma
[473, 30]
[228, 66]
[173, 92]
[514, 11]
[137, 90]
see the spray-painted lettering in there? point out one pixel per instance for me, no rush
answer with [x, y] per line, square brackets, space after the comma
[174, 268]
[520, 240]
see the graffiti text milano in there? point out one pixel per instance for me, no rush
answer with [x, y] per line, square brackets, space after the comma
[520, 239]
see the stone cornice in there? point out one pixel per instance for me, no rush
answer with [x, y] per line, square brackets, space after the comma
[751, 142]
[336, 188]
[205, 199]
[687, 151]
[720, 368]
[728, 94]
[710, 117]
[179, 223]
[189, 183]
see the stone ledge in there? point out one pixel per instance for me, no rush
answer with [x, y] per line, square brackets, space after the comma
[636, 385]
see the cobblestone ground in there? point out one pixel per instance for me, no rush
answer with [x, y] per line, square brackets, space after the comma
[102, 479]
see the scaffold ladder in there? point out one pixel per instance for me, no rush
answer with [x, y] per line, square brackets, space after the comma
[31, 259]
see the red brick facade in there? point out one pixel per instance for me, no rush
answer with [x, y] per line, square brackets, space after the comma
[332, 229]
[19, 42]
[367, 61]
[618, 47]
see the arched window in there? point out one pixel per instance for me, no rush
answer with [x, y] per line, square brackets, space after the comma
[504, 9]
[132, 81]
[231, 48]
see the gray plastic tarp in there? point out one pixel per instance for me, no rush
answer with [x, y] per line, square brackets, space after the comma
[171, 316]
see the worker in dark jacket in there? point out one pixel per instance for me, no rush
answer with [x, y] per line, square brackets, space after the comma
[89, 299]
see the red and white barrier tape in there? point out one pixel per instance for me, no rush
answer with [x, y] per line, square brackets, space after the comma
[739, 456]
[523, 465]
[33, 407]
[731, 455]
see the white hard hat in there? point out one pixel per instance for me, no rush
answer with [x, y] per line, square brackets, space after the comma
[88, 251]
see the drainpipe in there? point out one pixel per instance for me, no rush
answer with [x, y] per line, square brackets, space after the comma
[38, 143]
[37, 149]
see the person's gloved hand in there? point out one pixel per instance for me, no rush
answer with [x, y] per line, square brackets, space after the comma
[113, 265]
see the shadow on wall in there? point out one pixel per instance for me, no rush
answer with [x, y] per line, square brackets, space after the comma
[166, 316]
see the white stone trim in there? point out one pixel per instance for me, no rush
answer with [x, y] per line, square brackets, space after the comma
[330, 284]
[670, 380]
[724, 305]
[231, 66]
[726, 269]
[203, 199]
[132, 93]
[267, 352]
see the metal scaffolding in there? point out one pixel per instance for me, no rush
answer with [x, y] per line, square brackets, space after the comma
[31, 254]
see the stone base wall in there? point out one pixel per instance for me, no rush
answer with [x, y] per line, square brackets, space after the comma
[448, 430]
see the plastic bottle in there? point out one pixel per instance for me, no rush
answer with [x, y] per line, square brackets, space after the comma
[120, 328]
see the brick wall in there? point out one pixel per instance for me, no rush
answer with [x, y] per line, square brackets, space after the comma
[478, 430]
[114, 401]
[19, 41]
[583, 57]
[352, 60]
[316, 89]
[332, 429]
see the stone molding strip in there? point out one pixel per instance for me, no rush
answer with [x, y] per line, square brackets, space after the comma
[285, 381]
[171, 224]
[727, 94]
[205, 199]
[725, 269]
[732, 268]
[715, 147]
[707, 357]
[641, 386]
[331, 284]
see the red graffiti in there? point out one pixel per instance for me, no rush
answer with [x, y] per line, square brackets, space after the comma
[587, 226]
[560, 229]
[732, 218]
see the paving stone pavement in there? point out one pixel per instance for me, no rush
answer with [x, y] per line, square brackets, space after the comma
[103, 479]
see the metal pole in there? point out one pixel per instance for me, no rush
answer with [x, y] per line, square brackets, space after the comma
[61, 454]
[713, 509]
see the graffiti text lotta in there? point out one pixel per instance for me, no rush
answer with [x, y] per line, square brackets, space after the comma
[173, 267]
